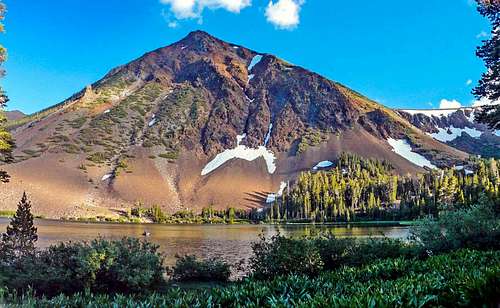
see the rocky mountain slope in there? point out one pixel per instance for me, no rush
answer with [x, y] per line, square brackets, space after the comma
[457, 128]
[201, 122]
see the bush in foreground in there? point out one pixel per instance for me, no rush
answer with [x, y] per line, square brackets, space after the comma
[310, 256]
[189, 268]
[124, 266]
[476, 227]
[281, 256]
[462, 278]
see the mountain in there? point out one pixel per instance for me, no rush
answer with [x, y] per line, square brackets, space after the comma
[201, 122]
[14, 115]
[457, 128]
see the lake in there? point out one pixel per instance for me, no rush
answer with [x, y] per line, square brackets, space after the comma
[229, 242]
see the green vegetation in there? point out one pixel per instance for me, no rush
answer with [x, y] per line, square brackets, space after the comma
[208, 215]
[310, 138]
[189, 268]
[488, 85]
[358, 189]
[315, 271]
[97, 157]
[78, 122]
[125, 266]
[169, 155]
[7, 213]
[18, 242]
[462, 278]
[6, 140]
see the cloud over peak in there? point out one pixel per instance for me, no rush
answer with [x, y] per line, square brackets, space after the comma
[446, 104]
[189, 9]
[284, 14]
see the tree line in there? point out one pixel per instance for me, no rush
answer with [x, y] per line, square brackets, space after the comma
[368, 189]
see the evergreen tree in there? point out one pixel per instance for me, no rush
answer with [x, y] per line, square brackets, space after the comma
[21, 235]
[6, 140]
[231, 215]
[489, 85]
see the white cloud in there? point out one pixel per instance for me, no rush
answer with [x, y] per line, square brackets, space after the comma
[482, 34]
[190, 9]
[173, 24]
[468, 82]
[446, 104]
[284, 14]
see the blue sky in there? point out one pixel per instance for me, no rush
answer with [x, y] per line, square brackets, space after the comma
[407, 54]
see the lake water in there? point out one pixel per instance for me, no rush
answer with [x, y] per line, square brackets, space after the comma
[229, 242]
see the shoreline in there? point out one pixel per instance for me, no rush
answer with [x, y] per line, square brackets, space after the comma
[387, 223]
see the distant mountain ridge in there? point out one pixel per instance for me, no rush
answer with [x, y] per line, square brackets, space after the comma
[14, 115]
[202, 122]
[457, 128]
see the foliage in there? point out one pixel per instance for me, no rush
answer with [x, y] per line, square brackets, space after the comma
[310, 138]
[19, 239]
[189, 268]
[476, 227]
[6, 140]
[281, 255]
[489, 52]
[368, 189]
[102, 266]
[338, 252]
[462, 278]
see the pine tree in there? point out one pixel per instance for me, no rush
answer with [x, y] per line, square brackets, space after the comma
[489, 85]
[231, 215]
[21, 235]
[6, 140]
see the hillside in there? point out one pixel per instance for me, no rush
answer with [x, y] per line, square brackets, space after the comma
[14, 115]
[201, 122]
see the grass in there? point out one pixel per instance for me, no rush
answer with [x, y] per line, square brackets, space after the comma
[7, 213]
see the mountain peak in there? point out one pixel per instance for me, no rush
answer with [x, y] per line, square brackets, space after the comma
[199, 36]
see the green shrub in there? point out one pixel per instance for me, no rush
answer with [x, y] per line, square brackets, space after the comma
[169, 155]
[7, 213]
[97, 157]
[476, 227]
[357, 252]
[282, 256]
[189, 268]
[102, 266]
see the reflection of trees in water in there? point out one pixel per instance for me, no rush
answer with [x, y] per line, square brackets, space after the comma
[231, 243]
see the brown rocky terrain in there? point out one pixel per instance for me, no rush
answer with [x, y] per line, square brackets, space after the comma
[159, 131]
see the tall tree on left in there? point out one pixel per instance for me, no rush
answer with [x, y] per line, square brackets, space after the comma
[6, 140]
[21, 235]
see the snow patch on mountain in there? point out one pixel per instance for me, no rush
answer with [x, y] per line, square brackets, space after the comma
[431, 112]
[241, 152]
[272, 197]
[106, 176]
[323, 164]
[451, 133]
[403, 149]
[254, 62]
[268, 135]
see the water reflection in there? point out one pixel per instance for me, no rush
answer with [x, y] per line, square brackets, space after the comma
[230, 242]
